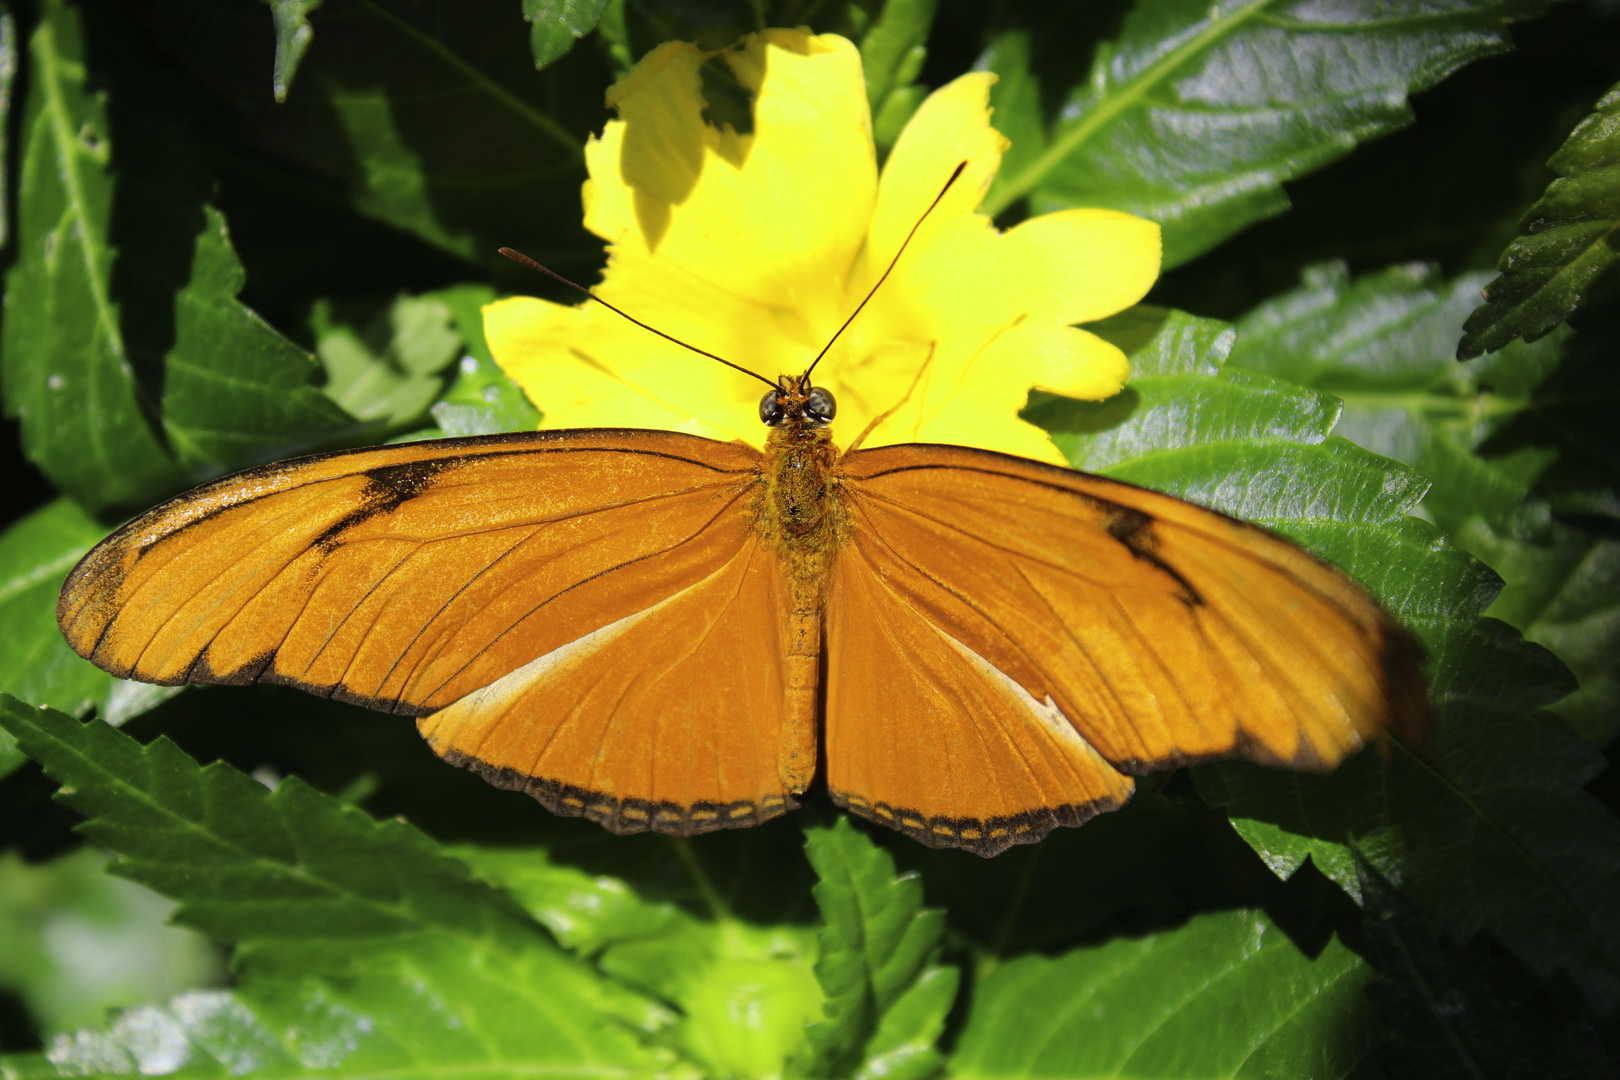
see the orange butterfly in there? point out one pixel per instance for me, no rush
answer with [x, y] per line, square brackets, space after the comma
[661, 631]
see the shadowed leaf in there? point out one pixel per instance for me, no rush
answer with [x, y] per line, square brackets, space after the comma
[1567, 256]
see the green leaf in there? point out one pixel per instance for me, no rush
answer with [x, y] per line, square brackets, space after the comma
[1487, 828]
[886, 1004]
[1195, 115]
[79, 941]
[1478, 842]
[293, 35]
[1515, 445]
[336, 917]
[1567, 255]
[253, 866]
[135, 374]
[37, 665]
[556, 24]
[893, 50]
[615, 28]
[383, 364]
[744, 991]
[586, 912]
[481, 399]
[429, 117]
[425, 1006]
[1227, 994]
[237, 391]
[8, 76]
[86, 419]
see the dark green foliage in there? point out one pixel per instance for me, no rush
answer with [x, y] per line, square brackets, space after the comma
[1519, 447]
[1445, 909]
[1458, 1012]
[1568, 254]
[127, 357]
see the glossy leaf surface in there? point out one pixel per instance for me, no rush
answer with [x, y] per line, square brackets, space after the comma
[1195, 114]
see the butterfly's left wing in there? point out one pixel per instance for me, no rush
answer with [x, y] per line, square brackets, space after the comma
[1123, 629]
[565, 610]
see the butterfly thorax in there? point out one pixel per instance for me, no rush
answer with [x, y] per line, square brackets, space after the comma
[798, 462]
[799, 459]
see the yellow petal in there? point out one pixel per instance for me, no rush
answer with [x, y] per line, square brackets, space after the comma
[1059, 359]
[1066, 267]
[656, 151]
[590, 368]
[973, 390]
[776, 216]
[951, 126]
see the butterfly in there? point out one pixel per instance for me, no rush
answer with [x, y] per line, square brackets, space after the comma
[659, 631]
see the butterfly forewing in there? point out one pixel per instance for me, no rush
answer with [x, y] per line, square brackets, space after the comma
[407, 576]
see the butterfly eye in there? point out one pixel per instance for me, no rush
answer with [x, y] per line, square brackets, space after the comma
[770, 410]
[819, 405]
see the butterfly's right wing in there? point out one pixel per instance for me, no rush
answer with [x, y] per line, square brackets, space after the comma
[1078, 629]
[552, 603]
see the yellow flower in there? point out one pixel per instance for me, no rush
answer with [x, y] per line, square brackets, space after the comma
[757, 247]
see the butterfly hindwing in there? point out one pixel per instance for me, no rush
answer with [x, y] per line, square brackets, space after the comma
[669, 718]
[928, 737]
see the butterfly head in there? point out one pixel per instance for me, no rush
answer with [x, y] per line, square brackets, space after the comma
[794, 401]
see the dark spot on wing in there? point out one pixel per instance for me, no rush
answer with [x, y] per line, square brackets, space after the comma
[1134, 530]
[387, 489]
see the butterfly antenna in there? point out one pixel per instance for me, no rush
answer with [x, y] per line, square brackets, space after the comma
[886, 273]
[519, 257]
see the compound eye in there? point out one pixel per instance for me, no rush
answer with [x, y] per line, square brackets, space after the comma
[819, 404]
[770, 410]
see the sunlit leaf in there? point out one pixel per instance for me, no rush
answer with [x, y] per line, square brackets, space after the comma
[383, 364]
[8, 75]
[336, 918]
[886, 1003]
[37, 665]
[293, 35]
[1225, 995]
